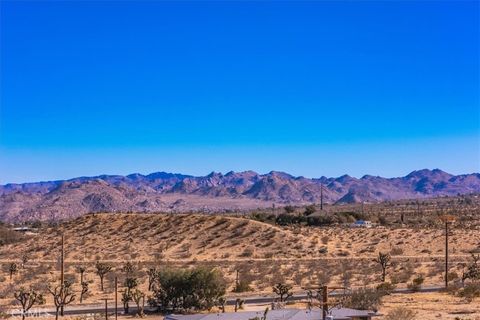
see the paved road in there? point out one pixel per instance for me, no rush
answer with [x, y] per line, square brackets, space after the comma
[98, 308]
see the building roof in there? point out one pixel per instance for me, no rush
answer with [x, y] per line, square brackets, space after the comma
[284, 314]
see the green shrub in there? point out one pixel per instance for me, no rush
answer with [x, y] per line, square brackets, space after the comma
[187, 289]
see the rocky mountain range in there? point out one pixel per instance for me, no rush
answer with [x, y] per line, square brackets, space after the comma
[167, 192]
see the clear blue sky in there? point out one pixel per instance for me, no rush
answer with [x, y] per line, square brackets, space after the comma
[312, 88]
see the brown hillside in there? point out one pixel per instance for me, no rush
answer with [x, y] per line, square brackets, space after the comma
[181, 237]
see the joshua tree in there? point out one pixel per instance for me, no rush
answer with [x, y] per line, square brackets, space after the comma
[126, 297]
[12, 269]
[264, 317]
[81, 270]
[27, 299]
[128, 268]
[24, 260]
[84, 291]
[102, 270]
[152, 277]
[239, 304]
[283, 291]
[473, 269]
[139, 298]
[384, 261]
[130, 284]
[346, 276]
[62, 296]
[221, 303]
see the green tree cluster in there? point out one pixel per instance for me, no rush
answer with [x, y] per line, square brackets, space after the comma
[187, 289]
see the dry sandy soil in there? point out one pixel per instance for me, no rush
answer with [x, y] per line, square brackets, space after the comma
[430, 306]
[264, 254]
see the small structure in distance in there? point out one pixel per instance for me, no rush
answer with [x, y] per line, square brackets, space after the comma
[362, 224]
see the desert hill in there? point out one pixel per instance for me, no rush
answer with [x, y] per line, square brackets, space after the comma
[187, 237]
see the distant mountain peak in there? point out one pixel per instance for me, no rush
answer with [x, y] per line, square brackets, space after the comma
[167, 192]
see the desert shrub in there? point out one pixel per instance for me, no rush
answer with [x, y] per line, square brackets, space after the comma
[6, 291]
[386, 288]
[247, 252]
[452, 276]
[470, 291]
[289, 209]
[416, 283]
[344, 217]
[454, 288]
[262, 217]
[473, 269]
[309, 210]
[364, 299]
[397, 251]
[404, 274]
[319, 220]
[287, 219]
[382, 220]
[401, 313]
[243, 286]
[187, 289]
[8, 236]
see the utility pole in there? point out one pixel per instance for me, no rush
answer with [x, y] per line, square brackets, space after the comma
[324, 302]
[62, 270]
[322, 294]
[447, 219]
[446, 254]
[321, 196]
[106, 307]
[116, 298]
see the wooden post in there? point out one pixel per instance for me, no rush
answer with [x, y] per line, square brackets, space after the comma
[447, 219]
[321, 196]
[62, 270]
[446, 254]
[116, 298]
[106, 309]
[325, 302]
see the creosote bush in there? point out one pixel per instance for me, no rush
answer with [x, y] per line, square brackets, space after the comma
[470, 291]
[416, 283]
[364, 299]
[187, 289]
